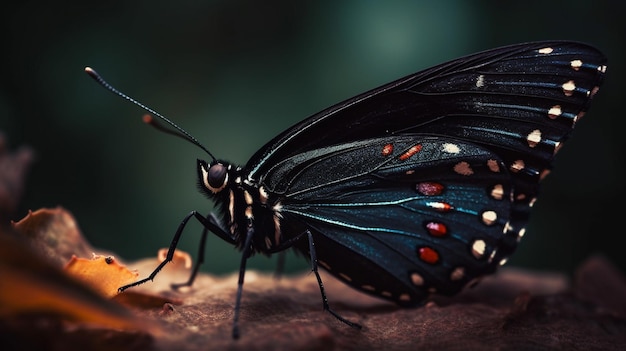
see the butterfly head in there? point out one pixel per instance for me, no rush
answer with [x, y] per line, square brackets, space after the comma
[213, 177]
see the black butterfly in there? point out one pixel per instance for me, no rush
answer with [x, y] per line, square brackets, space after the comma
[413, 188]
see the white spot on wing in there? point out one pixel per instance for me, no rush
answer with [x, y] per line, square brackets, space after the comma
[439, 206]
[451, 148]
[517, 166]
[507, 227]
[480, 82]
[489, 217]
[554, 112]
[576, 64]
[569, 87]
[545, 51]
[534, 138]
[497, 192]
[478, 248]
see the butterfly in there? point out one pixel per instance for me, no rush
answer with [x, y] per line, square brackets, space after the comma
[414, 188]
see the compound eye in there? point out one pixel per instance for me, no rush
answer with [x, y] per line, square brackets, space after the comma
[216, 177]
[213, 178]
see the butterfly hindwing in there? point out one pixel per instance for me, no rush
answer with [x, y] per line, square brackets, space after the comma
[426, 213]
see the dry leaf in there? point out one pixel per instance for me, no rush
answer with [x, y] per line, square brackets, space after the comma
[103, 273]
[55, 234]
[31, 285]
[181, 258]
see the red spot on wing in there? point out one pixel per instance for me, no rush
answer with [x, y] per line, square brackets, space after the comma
[429, 188]
[428, 255]
[436, 229]
[387, 149]
[410, 152]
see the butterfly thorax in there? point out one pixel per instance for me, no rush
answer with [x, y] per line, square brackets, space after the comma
[242, 203]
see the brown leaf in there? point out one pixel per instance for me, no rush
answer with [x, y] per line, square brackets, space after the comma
[103, 273]
[30, 285]
[55, 234]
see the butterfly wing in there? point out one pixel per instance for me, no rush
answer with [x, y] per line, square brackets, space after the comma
[399, 216]
[519, 101]
[491, 98]
[509, 108]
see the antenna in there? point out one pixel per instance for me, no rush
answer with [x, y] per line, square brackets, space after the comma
[175, 130]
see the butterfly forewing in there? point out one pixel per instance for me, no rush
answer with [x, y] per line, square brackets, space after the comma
[480, 93]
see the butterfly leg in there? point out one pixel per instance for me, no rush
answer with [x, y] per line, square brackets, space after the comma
[208, 223]
[321, 285]
[313, 256]
[201, 248]
[280, 265]
[247, 250]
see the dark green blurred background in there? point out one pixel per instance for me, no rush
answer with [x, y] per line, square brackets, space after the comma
[235, 73]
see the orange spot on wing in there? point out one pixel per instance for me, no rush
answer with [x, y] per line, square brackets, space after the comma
[410, 152]
[387, 150]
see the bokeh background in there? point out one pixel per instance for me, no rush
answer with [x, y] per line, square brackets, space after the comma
[235, 73]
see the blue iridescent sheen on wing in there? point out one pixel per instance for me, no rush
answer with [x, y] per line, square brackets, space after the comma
[425, 183]
[379, 215]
